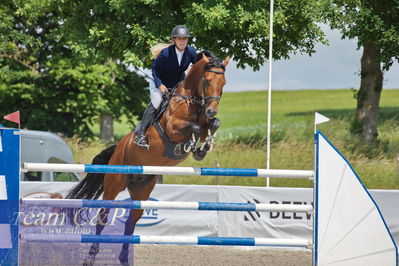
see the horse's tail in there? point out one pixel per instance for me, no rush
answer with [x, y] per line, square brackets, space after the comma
[157, 48]
[91, 187]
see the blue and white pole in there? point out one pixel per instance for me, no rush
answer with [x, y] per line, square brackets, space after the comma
[171, 205]
[185, 240]
[168, 170]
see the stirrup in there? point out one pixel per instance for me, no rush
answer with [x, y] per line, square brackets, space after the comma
[139, 139]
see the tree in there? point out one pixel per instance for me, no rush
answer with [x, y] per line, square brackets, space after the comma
[375, 25]
[125, 29]
[82, 39]
[52, 85]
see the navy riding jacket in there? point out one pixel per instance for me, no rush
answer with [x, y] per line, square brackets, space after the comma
[166, 69]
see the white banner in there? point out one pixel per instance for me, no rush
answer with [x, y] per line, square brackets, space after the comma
[266, 224]
[177, 222]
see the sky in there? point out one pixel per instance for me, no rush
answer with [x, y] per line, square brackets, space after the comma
[332, 67]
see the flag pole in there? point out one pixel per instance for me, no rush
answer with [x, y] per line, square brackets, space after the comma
[269, 97]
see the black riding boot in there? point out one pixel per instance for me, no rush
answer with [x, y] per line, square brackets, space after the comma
[148, 116]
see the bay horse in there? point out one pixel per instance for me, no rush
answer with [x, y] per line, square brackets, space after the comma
[188, 121]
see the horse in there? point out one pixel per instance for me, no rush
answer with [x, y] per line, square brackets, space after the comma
[188, 125]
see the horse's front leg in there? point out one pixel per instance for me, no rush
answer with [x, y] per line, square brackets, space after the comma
[207, 138]
[179, 131]
[191, 144]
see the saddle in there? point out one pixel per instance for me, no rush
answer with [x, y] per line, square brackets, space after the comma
[170, 146]
[162, 107]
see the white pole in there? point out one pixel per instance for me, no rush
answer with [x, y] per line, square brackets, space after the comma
[269, 97]
[170, 170]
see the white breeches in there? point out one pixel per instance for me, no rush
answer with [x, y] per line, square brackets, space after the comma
[156, 95]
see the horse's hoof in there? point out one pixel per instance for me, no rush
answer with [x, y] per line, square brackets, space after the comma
[94, 249]
[90, 261]
[123, 259]
[199, 155]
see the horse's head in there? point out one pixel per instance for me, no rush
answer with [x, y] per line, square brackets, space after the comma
[212, 82]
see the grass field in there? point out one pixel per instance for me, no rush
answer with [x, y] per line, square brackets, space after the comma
[241, 140]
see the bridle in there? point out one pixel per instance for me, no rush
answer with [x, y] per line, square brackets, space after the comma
[204, 101]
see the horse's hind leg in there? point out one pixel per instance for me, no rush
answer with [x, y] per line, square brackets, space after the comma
[137, 191]
[113, 184]
[95, 247]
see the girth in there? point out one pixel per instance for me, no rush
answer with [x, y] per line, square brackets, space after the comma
[170, 146]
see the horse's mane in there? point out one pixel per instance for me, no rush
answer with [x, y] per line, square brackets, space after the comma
[194, 76]
[214, 61]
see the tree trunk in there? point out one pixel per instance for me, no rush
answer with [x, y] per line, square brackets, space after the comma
[368, 97]
[107, 128]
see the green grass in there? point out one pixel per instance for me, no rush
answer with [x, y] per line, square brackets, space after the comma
[241, 140]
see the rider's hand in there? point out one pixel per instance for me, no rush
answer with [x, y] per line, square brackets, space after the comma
[163, 89]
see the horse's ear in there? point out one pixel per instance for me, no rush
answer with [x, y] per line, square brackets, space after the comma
[226, 61]
[206, 59]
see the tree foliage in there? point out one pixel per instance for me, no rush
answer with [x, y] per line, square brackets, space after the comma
[125, 29]
[368, 21]
[64, 62]
[375, 26]
[53, 87]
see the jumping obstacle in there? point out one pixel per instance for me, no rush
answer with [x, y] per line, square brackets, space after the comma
[348, 226]
[167, 170]
[172, 205]
[183, 240]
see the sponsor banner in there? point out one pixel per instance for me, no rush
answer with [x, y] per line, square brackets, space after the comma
[288, 224]
[225, 223]
[153, 221]
[180, 222]
[266, 224]
[65, 222]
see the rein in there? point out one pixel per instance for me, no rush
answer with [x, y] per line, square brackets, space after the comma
[204, 99]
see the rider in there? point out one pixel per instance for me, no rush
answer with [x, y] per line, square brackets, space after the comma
[168, 69]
